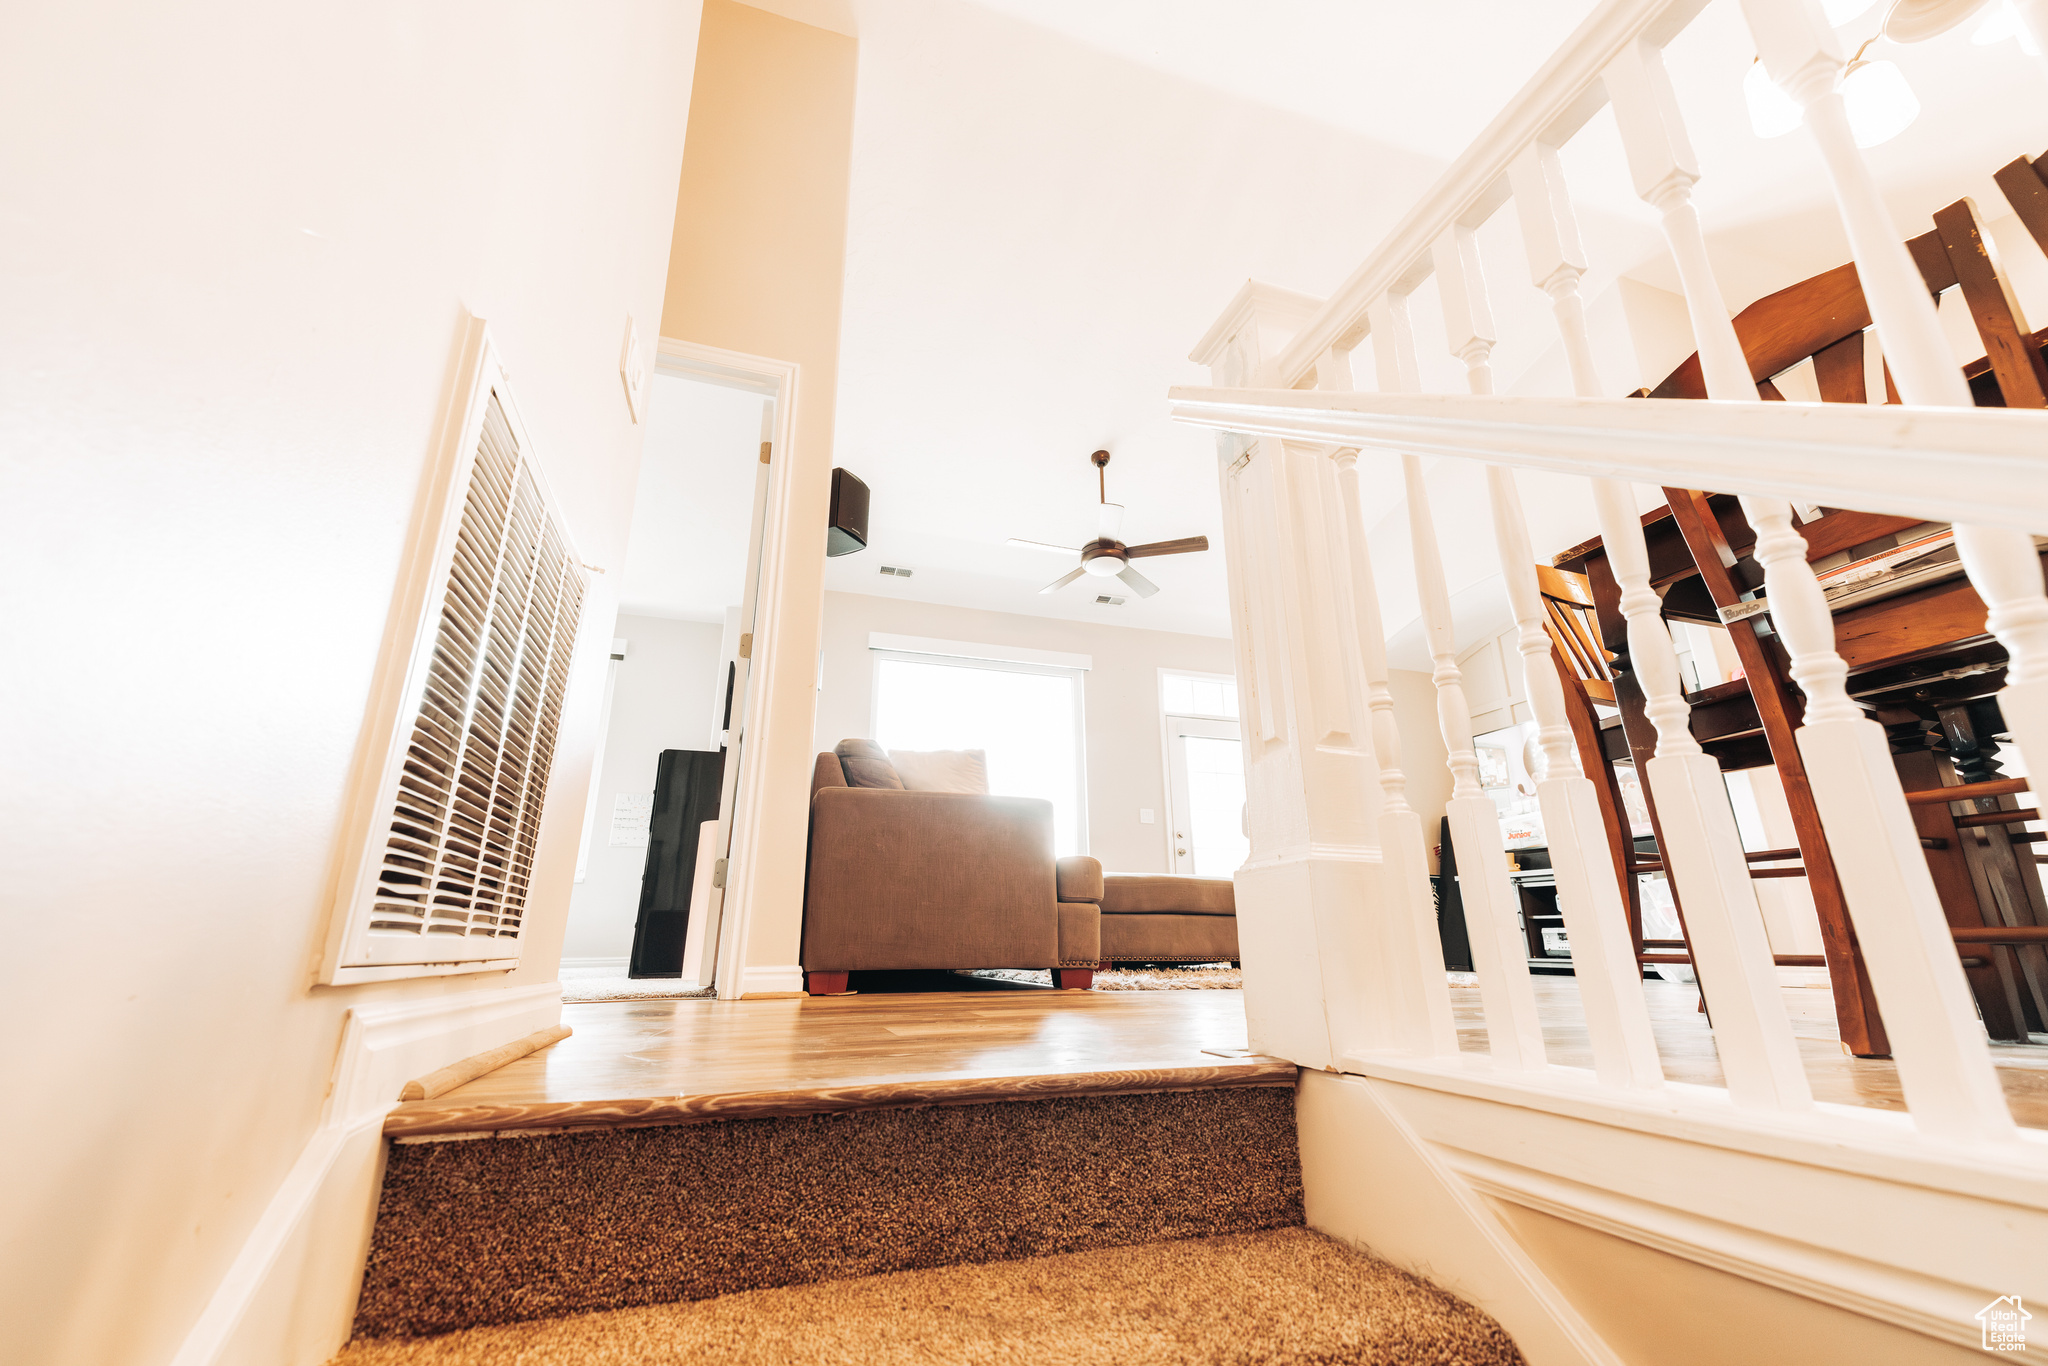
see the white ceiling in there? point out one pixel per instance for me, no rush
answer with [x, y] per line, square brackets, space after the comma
[692, 511]
[1052, 199]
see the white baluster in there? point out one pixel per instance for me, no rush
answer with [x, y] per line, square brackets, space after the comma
[1587, 894]
[1514, 1034]
[1944, 1065]
[1405, 921]
[1701, 846]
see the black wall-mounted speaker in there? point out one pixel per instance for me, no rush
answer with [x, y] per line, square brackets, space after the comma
[849, 529]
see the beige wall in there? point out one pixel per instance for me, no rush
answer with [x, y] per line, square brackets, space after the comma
[665, 697]
[757, 263]
[242, 241]
[1126, 758]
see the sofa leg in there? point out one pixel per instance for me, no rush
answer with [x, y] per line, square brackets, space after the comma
[825, 983]
[1073, 979]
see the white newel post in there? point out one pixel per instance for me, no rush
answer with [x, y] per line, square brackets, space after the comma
[1944, 1065]
[1703, 849]
[1312, 789]
[1514, 1035]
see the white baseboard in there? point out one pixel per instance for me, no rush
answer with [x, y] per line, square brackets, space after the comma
[289, 1297]
[782, 979]
[597, 964]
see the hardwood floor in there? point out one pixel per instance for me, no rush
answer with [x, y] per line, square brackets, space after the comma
[640, 1062]
[1686, 1046]
[663, 1061]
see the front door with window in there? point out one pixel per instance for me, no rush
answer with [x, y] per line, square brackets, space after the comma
[1205, 783]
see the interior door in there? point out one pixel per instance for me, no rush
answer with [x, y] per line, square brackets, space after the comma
[701, 954]
[1205, 781]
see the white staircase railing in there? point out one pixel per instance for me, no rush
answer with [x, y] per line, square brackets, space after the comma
[1311, 636]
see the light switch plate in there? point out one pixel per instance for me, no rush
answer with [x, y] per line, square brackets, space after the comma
[1144, 815]
[632, 370]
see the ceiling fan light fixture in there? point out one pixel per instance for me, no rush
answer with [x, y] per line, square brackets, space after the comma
[1103, 566]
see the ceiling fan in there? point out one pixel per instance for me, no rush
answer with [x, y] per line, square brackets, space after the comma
[1106, 555]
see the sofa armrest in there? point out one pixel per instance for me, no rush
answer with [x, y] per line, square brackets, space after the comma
[1080, 878]
[929, 880]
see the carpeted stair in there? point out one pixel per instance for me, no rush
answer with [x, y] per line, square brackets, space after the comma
[1134, 1228]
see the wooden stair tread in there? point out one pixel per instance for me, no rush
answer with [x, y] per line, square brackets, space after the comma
[441, 1118]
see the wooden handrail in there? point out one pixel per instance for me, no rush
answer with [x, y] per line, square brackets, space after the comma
[1874, 458]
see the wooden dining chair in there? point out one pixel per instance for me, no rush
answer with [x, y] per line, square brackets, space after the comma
[1823, 320]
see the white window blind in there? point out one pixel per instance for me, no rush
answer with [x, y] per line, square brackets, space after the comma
[445, 878]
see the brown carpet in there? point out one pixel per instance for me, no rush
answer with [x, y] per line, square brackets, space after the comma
[1285, 1298]
[489, 1231]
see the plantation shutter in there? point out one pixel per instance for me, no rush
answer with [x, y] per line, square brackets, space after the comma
[458, 829]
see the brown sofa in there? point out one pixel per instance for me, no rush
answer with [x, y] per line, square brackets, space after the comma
[902, 879]
[1168, 918]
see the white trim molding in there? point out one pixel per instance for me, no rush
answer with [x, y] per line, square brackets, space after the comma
[780, 979]
[770, 656]
[968, 649]
[289, 1297]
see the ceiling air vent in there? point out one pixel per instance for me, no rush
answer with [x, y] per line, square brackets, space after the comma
[895, 572]
[1108, 601]
[447, 825]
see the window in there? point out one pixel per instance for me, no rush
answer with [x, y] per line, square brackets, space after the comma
[1186, 694]
[1205, 773]
[1025, 716]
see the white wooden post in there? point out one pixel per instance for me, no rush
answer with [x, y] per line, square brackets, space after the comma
[1514, 1034]
[1403, 918]
[1944, 1065]
[1311, 788]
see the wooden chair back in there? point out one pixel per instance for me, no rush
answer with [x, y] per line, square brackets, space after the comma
[1570, 616]
[1823, 319]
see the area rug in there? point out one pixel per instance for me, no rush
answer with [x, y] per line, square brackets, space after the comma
[1186, 977]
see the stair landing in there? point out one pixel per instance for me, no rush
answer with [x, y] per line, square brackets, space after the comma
[678, 1061]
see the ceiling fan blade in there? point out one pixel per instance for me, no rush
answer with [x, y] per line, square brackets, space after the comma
[1112, 520]
[1063, 580]
[1140, 585]
[1179, 547]
[1019, 544]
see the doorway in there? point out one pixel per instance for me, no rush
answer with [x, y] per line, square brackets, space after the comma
[653, 910]
[1204, 774]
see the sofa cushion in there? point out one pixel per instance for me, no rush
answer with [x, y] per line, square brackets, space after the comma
[1167, 894]
[942, 770]
[1080, 878]
[1169, 938]
[867, 765]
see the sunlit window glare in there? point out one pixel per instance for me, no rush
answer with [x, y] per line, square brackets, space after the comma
[2004, 22]
[1875, 95]
[1840, 12]
[1027, 723]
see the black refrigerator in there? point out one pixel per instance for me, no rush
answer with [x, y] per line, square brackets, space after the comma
[686, 783]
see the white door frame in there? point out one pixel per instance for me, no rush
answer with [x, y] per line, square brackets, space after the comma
[1180, 846]
[776, 380]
